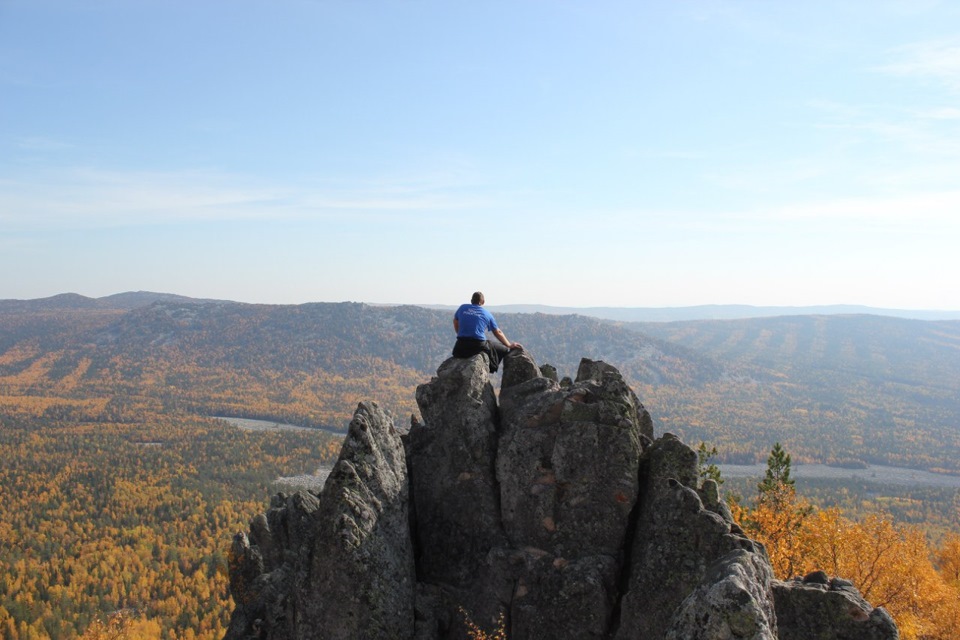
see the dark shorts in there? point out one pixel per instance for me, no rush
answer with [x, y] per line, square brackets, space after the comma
[469, 347]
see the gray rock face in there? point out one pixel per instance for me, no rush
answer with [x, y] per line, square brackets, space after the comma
[263, 567]
[451, 456]
[550, 508]
[681, 547]
[456, 499]
[362, 540]
[732, 601]
[568, 464]
[818, 607]
[568, 471]
[291, 574]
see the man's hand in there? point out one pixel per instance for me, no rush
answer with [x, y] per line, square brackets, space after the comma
[505, 341]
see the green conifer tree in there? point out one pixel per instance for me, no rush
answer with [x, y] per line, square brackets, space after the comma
[778, 472]
[706, 469]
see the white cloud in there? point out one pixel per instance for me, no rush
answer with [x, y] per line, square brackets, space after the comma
[41, 143]
[94, 198]
[929, 132]
[910, 134]
[938, 60]
[942, 113]
[931, 212]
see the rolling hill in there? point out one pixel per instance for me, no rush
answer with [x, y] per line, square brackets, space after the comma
[834, 389]
[873, 388]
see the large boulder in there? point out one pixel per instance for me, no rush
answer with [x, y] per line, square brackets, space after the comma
[732, 602]
[568, 462]
[264, 565]
[818, 607]
[681, 547]
[462, 567]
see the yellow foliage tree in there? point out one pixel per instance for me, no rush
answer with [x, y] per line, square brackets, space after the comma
[778, 517]
[777, 521]
[948, 559]
[115, 627]
[890, 565]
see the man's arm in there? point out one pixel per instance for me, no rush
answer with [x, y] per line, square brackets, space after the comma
[456, 326]
[503, 339]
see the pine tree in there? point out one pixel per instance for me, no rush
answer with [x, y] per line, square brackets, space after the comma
[706, 469]
[778, 472]
[778, 517]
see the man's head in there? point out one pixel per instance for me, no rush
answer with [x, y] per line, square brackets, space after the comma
[477, 298]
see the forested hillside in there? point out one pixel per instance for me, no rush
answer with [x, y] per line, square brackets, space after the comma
[307, 364]
[135, 518]
[834, 389]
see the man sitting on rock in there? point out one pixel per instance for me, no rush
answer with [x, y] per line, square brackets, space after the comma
[471, 322]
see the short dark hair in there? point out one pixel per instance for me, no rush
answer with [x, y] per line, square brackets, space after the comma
[477, 298]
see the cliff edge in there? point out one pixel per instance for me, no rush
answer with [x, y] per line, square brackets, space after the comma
[550, 511]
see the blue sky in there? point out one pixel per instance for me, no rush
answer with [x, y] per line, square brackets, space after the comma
[638, 154]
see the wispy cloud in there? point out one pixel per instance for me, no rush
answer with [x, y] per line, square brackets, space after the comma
[768, 179]
[941, 113]
[95, 198]
[931, 133]
[932, 212]
[937, 60]
[40, 143]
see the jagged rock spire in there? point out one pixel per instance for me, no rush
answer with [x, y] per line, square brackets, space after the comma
[551, 508]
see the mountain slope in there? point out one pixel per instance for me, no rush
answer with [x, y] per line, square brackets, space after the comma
[833, 389]
[308, 364]
[866, 388]
[867, 345]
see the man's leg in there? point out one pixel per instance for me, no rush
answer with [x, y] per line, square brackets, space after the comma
[497, 353]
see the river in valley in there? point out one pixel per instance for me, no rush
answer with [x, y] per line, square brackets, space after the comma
[877, 474]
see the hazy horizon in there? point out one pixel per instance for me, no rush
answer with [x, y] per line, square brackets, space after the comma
[628, 314]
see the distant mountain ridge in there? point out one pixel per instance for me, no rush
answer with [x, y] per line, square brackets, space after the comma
[133, 299]
[74, 301]
[723, 312]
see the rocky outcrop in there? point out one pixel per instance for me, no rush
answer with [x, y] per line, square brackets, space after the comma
[551, 510]
[340, 565]
[732, 600]
[820, 607]
[451, 456]
[685, 556]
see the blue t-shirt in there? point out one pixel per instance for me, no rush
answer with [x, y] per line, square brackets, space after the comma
[474, 321]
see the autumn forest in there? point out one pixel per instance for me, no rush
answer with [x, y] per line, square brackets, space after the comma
[121, 490]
